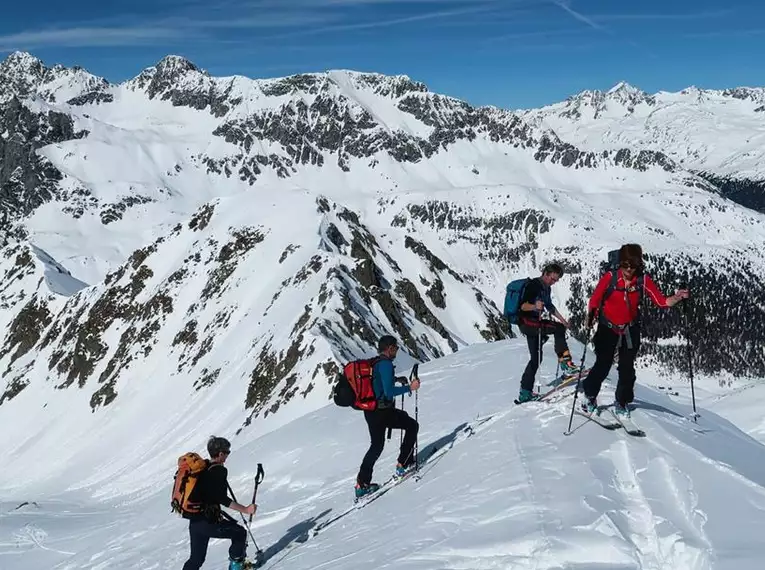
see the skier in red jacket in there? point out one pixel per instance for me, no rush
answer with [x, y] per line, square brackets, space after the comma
[619, 326]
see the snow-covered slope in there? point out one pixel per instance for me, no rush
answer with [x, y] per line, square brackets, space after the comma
[720, 133]
[516, 493]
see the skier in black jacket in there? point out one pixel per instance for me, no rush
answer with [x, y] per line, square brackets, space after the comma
[212, 491]
[537, 297]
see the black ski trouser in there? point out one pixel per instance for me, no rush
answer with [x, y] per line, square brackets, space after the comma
[378, 421]
[201, 531]
[606, 342]
[532, 335]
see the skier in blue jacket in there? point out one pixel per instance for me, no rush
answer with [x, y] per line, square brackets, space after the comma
[387, 416]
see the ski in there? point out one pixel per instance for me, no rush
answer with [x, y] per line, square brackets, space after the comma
[568, 380]
[628, 425]
[600, 420]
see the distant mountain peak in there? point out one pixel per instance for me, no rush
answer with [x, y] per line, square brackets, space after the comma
[24, 76]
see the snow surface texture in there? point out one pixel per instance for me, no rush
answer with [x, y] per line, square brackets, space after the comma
[516, 493]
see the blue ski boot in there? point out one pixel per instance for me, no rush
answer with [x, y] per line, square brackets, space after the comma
[567, 366]
[590, 405]
[621, 412]
[402, 470]
[527, 396]
[364, 489]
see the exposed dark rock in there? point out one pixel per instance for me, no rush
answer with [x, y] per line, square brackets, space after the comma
[114, 212]
[436, 293]
[244, 239]
[28, 180]
[408, 290]
[202, 217]
[96, 97]
[748, 193]
[26, 328]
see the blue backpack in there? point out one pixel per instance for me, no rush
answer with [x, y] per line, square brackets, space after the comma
[513, 296]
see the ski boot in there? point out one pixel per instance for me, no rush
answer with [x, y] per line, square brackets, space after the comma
[238, 564]
[566, 363]
[402, 470]
[364, 489]
[590, 406]
[527, 396]
[622, 412]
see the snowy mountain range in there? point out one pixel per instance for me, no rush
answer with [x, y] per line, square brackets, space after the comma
[184, 228]
[718, 134]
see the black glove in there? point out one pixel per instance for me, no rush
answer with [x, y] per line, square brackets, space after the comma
[590, 319]
[402, 380]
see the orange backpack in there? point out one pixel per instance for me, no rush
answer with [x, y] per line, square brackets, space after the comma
[190, 466]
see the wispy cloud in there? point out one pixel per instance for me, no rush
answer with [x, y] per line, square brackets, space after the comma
[384, 23]
[254, 21]
[535, 34]
[659, 16]
[725, 33]
[566, 6]
[83, 36]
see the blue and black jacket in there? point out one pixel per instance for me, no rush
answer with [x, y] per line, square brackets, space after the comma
[384, 383]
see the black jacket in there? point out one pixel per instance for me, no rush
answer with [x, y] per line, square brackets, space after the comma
[536, 291]
[212, 491]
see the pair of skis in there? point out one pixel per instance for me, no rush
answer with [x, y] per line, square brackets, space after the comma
[614, 422]
[557, 386]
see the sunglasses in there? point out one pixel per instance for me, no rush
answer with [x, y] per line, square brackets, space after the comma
[630, 265]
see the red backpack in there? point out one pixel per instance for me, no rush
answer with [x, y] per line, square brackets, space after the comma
[354, 386]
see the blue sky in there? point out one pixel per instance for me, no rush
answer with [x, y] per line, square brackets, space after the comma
[510, 53]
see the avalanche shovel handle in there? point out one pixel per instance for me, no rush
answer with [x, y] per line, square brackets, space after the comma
[258, 479]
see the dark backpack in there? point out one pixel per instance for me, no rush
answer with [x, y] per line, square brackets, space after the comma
[354, 387]
[513, 296]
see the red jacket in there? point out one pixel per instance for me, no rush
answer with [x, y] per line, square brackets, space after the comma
[615, 310]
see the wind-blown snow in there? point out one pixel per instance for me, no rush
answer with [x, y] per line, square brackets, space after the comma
[515, 494]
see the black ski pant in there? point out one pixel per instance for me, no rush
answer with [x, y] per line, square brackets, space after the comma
[201, 531]
[606, 342]
[378, 421]
[532, 334]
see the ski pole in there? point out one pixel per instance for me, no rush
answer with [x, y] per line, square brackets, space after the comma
[401, 433]
[413, 374]
[258, 479]
[257, 548]
[581, 368]
[689, 351]
[539, 360]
